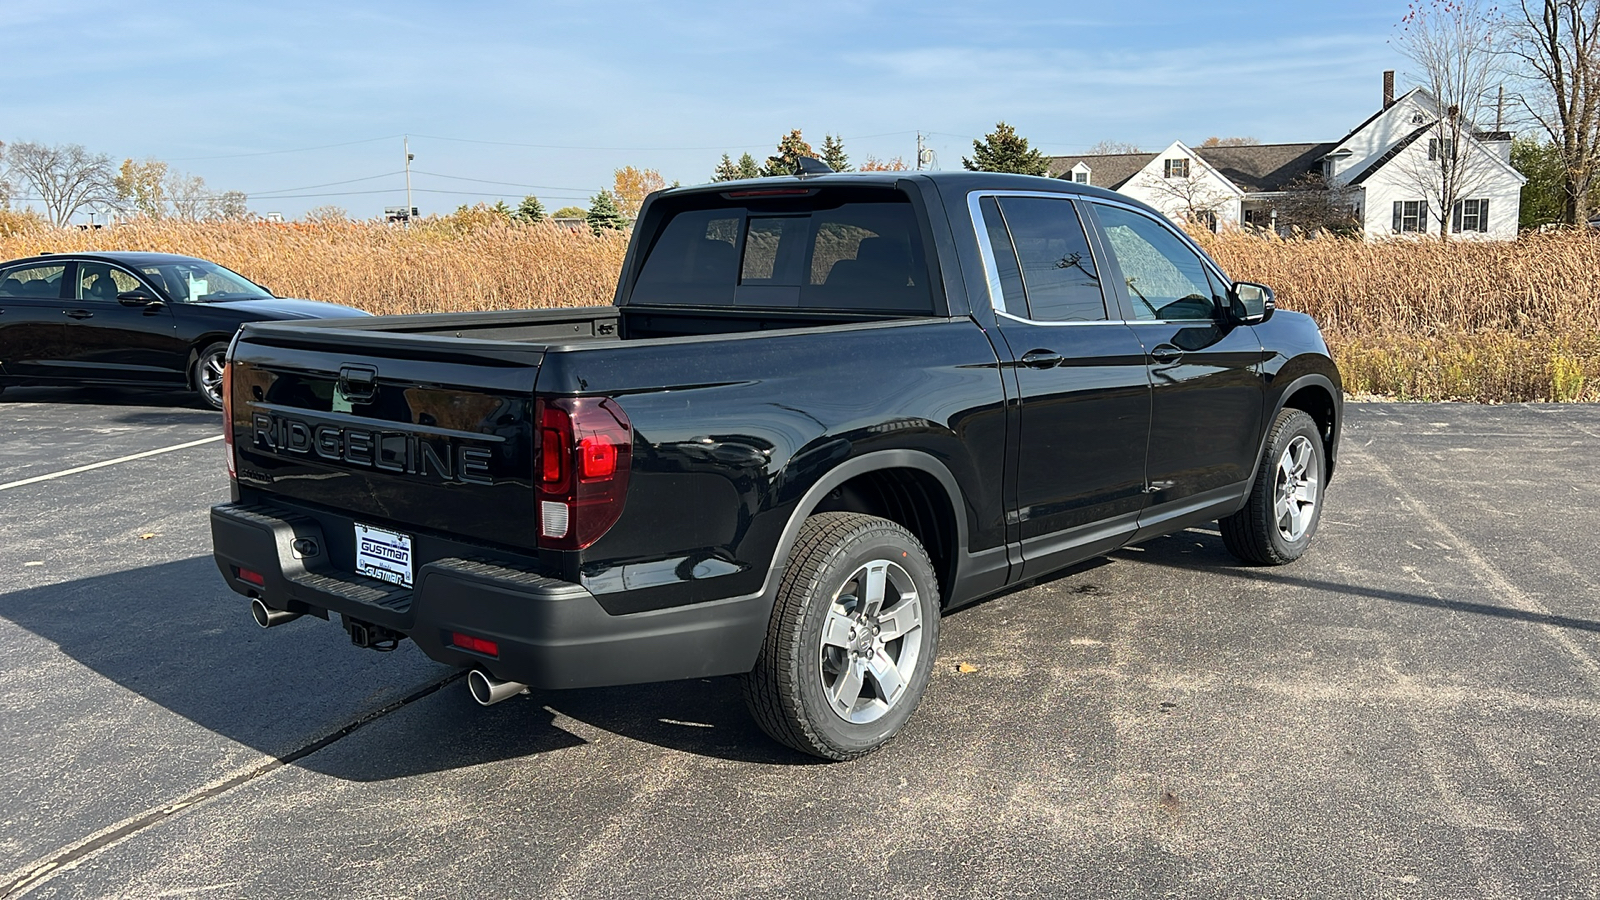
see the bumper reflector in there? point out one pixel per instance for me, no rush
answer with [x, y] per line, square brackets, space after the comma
[255, 578]
[475, 644]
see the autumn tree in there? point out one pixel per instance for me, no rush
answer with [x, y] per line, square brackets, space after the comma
[1003, 150]
[874, 164]
[603, 214]
[570, 212]
[65, 177]
[787, 160]
[630, 185]
[833, 153]
[141, 187]
[1556, 44]
[530, 211]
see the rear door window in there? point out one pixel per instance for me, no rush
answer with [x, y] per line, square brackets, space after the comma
[1058, 271]
[850, 256]
[38, 282]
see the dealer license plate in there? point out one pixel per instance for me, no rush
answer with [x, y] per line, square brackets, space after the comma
[385, 555]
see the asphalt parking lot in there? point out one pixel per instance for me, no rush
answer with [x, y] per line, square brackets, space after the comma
[1409, 711]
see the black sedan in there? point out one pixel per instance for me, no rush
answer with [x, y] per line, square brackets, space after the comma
[153, 319]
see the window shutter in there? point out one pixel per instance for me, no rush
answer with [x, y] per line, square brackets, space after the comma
[1455, 217]
[1483, 215]
[1397, 217]
[1433, 148]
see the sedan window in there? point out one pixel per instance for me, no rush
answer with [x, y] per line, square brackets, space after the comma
[43, 282]
[98, 281]
[197, 281]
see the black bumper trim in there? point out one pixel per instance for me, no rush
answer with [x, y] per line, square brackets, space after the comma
[551, 633]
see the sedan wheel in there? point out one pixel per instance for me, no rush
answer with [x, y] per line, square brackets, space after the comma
[208, 369]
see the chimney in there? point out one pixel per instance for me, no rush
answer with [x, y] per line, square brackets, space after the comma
[1388, 88]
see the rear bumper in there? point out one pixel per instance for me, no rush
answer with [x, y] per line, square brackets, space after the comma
[551, 633]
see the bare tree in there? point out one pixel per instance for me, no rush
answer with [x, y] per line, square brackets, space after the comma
[1108, 147]
[5, 179]
[1557, 46]
[1451, 43]
[191, 199]
[1215, 141]
[65, 177]
[1192, 196]
[1313, 204]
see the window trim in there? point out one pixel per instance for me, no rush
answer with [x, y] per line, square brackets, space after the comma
[1092, 231]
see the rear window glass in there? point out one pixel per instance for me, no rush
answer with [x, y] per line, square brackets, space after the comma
[847, 256]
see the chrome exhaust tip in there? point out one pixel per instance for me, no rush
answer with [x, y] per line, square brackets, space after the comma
[267, 617]
[489, 690]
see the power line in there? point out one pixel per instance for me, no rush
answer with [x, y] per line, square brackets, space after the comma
[386, 137]
[542, 187]
[308, 187]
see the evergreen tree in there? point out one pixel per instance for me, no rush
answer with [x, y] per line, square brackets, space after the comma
[501, 209]
[529, 211]
[748, 167]
[833, 153]
[603, 214]
[1005, 151]
[787, 160]
[725, 170]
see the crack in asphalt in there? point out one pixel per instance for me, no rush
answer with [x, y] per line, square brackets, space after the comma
[71, 855]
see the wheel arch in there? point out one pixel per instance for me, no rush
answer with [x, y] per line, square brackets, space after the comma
[195, 347]
[909, 487]
[1319, 397]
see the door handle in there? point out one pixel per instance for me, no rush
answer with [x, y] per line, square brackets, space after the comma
[1165, 353]
[79, 314]
[1041, 359]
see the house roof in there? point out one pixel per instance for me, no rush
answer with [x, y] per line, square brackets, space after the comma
[1106, 170]
[1253, 168]
[1258, 168]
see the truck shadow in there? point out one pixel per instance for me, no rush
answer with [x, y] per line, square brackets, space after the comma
[174, 635]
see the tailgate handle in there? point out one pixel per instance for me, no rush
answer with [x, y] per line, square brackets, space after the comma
[358, 382]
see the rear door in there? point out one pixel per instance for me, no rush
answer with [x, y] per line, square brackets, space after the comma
[1206, 387]
[1084, 416]
[32, 320]
[106, 340]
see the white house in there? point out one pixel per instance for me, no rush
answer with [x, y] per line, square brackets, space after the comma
[1389, 172]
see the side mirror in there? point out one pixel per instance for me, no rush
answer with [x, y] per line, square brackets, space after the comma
[1252, 303]
[137, 297]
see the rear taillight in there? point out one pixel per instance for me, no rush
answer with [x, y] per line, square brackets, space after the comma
[585, 454]
[227, 417]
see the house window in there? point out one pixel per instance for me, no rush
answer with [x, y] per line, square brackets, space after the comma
[1176, 168]
[1449, 148]
[1205, 218]
[1080, 177]
[1410, 215]
[1258, 217]
[1470, 215]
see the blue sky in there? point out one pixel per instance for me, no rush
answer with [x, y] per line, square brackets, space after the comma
[549, 98]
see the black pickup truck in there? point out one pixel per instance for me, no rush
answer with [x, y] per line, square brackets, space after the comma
[822, 411]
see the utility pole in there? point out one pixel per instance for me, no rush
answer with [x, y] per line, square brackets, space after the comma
[409, 157]
[919, 151]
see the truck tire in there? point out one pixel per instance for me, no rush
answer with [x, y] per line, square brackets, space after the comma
[852, 639]
[207, 374]
[1280, 518]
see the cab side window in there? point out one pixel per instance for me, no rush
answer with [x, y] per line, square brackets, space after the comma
[37, 282]
[1057, 271]
[1165, 279]
[98, 281]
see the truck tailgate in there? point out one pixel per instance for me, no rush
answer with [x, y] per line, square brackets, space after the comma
[359, 423]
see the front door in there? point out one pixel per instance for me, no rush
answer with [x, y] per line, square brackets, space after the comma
[1206, 386]
[1084, 413]
[32, 323]
[107, 340]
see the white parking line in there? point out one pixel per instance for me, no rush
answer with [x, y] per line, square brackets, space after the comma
[110, 462]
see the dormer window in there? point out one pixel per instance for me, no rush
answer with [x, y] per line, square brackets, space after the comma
[1079, 174]
[1176, 168]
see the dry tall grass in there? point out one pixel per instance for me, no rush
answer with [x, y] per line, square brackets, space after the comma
[1413, 319]
[440, 265]
[1490, 321]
